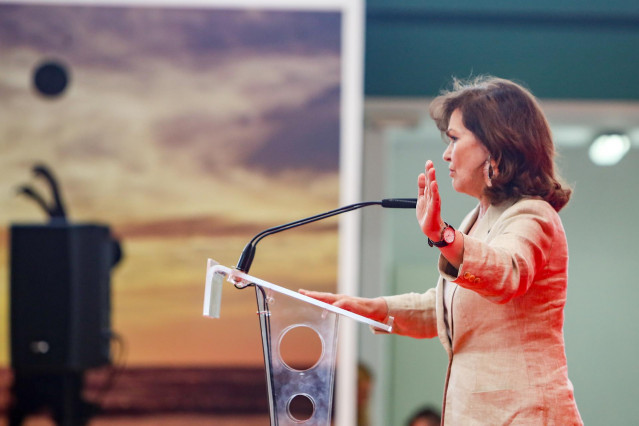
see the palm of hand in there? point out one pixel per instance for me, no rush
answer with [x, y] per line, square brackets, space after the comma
[428, 208]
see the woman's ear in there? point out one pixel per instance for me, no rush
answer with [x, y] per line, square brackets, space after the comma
[488, 173]
[493, 170]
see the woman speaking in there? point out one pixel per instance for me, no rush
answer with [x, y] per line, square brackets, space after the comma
[498, 306]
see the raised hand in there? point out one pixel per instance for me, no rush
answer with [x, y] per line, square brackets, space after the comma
[375, 309]
[429, 203]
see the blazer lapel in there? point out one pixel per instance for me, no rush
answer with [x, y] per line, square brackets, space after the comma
[465, 226]
[485, 224]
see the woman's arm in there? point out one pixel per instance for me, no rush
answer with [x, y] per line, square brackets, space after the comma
[375, 309]
[413, 314]
[517, 253]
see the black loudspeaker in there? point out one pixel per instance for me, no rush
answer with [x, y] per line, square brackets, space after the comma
[60, 296]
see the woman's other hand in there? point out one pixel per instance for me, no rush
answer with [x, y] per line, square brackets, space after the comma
[375, 309]
[429, 203]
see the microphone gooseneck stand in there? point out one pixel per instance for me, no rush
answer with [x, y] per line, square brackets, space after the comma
[246, 258]
[244, 264]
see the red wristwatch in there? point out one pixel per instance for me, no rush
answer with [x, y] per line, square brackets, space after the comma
[447, 237]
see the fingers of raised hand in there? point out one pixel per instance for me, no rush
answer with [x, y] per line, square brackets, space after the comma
[435, 199]
[421, 184]
[429, 165]
[431, 172]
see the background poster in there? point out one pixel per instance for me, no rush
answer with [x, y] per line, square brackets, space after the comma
[187, 130]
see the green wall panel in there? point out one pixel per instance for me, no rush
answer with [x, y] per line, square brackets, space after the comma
[559, 53]
[545, 6]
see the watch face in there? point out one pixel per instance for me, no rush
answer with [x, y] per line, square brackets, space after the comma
[449, 235]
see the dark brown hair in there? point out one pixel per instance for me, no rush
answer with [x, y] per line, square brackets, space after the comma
[507, 120]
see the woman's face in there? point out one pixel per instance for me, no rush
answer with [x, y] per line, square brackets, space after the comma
[466, 157]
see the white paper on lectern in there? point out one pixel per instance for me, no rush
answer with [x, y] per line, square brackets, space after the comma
[211, 301]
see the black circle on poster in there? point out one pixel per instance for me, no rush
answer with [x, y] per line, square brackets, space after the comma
[50, 78]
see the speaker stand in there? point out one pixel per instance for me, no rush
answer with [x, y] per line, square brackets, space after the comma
[59, 393]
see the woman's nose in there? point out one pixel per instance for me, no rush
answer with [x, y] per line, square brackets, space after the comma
[446, 155]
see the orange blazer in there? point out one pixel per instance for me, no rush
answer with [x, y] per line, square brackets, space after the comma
[506, 361]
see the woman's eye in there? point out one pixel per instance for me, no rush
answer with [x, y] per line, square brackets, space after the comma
[450, 138]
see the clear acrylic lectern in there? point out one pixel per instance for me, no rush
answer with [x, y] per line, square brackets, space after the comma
[296, 396]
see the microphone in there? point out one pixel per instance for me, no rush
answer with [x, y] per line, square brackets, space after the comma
[399, 203]
[55, 210]
[246, 258]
